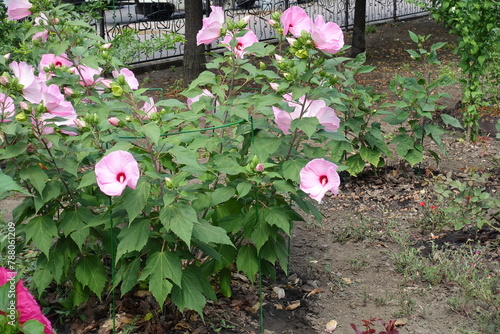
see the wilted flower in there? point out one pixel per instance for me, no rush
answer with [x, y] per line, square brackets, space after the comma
[116, 171]
[212, 26]
[318, 177]
[55, 103]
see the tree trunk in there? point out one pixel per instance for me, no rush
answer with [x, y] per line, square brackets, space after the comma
[358, 34]
[194, 55]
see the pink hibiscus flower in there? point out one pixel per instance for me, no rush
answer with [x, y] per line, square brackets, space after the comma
[32, 85]
[205, 92]
[149, 108]
[55, 103]
[318, 177]
[327, 37]
[306, 108]
[26, 305]
[129, 76]
[6, 108]
[18, 9]
[212, 26]
[295, 20]
[242, 43]
[116, 171]
[87, 74]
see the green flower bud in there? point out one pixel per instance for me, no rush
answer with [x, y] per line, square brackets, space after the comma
[301, 54]
[21, 117]
[117, 90]
[262, 65]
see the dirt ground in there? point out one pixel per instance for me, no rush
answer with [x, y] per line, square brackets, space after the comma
[341, 269]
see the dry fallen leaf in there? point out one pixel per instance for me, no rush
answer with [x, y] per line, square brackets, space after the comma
[331, 326]
[278, 306]
[401, 322]
[293, 305]
[347, 280]
[279, 291]
[313, 291]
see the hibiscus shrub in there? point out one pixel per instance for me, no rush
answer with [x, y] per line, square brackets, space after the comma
[175, 194]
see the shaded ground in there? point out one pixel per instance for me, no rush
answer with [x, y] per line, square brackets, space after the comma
[341, 269]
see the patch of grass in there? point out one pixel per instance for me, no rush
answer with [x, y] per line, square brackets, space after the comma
[470, 268]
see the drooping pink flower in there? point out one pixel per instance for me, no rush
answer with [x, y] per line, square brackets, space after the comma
[327, 37]
[116, 171]
[242, 43]
[18, 9]
[26, 305]
[204, 92]
[45, 123]
[212, 26]
[87, 74]
[6, 108]
[55, 103]
[318, 177]
[306, 108]
[295, 20]
[42, 36]
[32, 85]
[129, 76]
[149, 108]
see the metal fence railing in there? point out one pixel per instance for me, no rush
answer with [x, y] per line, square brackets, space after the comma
[153, 18]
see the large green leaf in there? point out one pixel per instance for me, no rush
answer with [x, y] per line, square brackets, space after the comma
[42, 230]
[161, 265]
[135, 200]
[308, 125]
[369, 154]
[263, 147]
[7, 184]
[208, 233]
[221, 195]
[132, 238]
[179, 218]
[190, 294]
[130, 275]
[291, 169]
[36, 176]
[247, 261]
[278, 217]
[91, 273]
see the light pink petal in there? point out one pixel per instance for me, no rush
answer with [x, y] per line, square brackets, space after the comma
[295, 20]
[28, 308]
[115, 171]
[18, 9]
[318, 177]
[283, 119]
[212, 26]
[327, 37]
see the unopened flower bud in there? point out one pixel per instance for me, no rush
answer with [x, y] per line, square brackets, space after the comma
[113, 121]
[278, 58]
[291, 40]
[23, 105]
[106, 46]
[21, 117]
[4, 80]
[80, 123]
[262, 65]
[68, 91]
[275, 86]
[116, 90]
[259, 168]
[169, 183]
[7, 56]
[301, 54]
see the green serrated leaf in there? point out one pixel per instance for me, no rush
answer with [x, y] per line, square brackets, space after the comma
[161, 265]
[221, 195]
[291, 169]
[208, 233]
[134, 201]
[179, 218]
[247, 261]
[7, 184]
[450, 120]
[91, 273]
[41, 230]
[370, 155]
[132, 238]
[308, 125]
[278, 217]
[225, 282]
[189, 295]
[243, 188]
[130, 276]
[356, 164]
[36, 176]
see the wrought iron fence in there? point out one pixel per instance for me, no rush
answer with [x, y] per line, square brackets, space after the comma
[153, 18]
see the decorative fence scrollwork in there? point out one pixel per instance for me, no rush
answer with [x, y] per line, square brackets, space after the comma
[153, 18]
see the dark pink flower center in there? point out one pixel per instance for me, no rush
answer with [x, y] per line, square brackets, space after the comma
[58, 64]
[121, 177]
[323, 179]
[239, 46]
